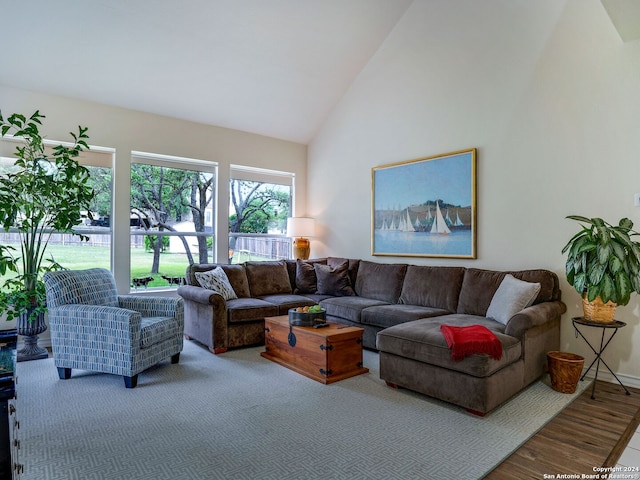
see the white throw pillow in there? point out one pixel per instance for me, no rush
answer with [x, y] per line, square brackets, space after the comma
[512, 296]
[217, 281]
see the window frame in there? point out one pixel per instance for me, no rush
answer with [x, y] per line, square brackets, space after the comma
[180, 163]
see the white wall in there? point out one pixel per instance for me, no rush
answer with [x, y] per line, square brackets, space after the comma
[547, 92]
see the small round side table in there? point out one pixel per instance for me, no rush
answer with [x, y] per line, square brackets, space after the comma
[613, 327]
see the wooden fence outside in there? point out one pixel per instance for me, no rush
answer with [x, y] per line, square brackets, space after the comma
[268, 247]
[247, 246]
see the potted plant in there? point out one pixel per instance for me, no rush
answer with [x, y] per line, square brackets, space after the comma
[603, 265]
[43, 193]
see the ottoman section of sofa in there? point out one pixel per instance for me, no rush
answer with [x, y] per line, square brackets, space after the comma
[422, 341]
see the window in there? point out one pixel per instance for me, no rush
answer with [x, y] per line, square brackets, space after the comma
[69, 250]
[95, 224]
[259, 204]
[172, 217]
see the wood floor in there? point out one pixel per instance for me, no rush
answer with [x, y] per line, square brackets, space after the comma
[587, 434]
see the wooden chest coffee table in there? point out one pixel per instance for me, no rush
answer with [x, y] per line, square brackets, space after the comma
[326, 354]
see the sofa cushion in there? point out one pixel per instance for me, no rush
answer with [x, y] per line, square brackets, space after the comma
[238, 279]
[235, 273]
[512, 296]
[388, 315]
[306, 281]
[285, 301]
[156, 329]
[292, 267]
[267, 278]
[549, 283]
[423, 341]
[348, 308]
[354, 264]
[316, 297]
[437, 287]
[333, 281]
[217, 281]
[380, 281]
[479, 286]
[249, 309]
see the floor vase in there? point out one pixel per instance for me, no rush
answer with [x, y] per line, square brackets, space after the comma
[30, 329]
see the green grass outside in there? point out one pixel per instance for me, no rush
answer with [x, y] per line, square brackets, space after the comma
[79, 257]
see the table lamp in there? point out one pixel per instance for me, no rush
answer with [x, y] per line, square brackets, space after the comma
[299, 228]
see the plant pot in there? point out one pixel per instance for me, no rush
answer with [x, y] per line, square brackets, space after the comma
[564, 370]
[597, 311]
[30, 331]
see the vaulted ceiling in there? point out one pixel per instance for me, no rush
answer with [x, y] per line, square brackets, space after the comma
[272, 67]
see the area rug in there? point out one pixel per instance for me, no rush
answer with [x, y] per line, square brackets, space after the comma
[240, 416]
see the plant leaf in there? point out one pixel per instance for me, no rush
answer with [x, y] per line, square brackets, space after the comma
[624, 288]
[615, 265]
[607, 289]
[580, 282]
[596, 273]
[625, 223]
[604, 252]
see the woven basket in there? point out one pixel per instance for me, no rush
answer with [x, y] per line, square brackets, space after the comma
[597, 311]
[565, 370]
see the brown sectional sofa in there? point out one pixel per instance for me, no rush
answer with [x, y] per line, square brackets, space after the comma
[401, 308]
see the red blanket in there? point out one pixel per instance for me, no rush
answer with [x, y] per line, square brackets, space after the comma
[464, 341]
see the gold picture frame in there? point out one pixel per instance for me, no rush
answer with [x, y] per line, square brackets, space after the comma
[425, 207]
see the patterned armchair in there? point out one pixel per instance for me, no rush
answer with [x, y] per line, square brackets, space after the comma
[94, 328]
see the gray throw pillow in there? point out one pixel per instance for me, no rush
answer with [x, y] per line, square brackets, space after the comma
[512, 296]
[217, 281]
[305, 277]
[333, 281]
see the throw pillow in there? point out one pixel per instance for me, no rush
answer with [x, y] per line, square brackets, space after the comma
[305, 277]
[512, 296]
[217, 281]
[333, 281]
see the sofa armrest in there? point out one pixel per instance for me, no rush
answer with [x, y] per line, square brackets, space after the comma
[101, 326]
[534, 316]
[155, 306]
[151, 306]
[201, 295]
[205, 317]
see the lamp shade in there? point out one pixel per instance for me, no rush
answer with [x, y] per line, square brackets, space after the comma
[301, 227]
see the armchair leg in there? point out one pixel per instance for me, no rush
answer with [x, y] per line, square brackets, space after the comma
[131, 382]
[64, 373]
[175, 358]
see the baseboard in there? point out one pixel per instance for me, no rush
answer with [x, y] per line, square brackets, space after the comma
[627, 380]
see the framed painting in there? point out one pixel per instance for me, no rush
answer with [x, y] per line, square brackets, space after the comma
[425, 207]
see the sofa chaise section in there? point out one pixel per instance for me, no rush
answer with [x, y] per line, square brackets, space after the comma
[415, 355]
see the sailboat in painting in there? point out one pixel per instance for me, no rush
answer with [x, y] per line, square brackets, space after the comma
[439, 225]
[407, 226]
[458, 221]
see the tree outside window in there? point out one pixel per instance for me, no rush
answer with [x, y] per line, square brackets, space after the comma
[171, 221]
[259, 210]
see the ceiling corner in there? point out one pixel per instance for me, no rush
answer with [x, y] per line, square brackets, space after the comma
[625, 15]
